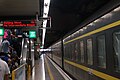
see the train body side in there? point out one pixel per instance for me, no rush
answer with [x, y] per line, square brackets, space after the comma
[56, 54]
[92, 53]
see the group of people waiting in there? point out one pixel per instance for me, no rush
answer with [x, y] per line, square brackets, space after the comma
[9, 59]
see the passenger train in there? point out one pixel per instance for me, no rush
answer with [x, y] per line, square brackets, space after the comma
[92, 52]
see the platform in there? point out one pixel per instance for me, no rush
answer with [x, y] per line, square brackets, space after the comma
[46, 69]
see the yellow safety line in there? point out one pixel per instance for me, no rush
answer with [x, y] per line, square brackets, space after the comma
[49, 71]
[114, 24]
[95, 72]
[29, 73]
[13, 75]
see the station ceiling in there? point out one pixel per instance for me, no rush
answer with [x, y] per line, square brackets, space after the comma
[19, 7]
[66, 15]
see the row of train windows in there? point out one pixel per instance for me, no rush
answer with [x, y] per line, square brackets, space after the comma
[101, 51]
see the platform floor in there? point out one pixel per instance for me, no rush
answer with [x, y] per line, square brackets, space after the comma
[46, 69]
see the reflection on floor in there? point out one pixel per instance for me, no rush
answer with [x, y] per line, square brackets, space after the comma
[46, 69]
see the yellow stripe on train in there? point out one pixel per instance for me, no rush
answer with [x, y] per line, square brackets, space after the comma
[114, 24]
[95, 72]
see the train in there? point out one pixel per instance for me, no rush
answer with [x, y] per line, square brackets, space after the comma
[93, 51]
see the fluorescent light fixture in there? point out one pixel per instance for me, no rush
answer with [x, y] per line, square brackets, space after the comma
[107, 15]
[97, 20]
[116, 9]
[31, 41]
[25, 46]
[45, 49]
[32, 49]
[24, 59]
[81, 29]
[27, 41]
[84, 27]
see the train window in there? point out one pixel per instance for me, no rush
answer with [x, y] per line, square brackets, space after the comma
[73, 52]
[76, 51]
[82, 51]
[89, 52]
[101, 51]
[68, 46]
[116, 45]
[65, 51]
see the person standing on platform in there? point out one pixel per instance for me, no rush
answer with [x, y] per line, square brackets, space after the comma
[4, 70]
[6, 46]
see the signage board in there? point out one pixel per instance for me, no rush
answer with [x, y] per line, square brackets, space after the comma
[12, 24]
[32, 34]
[1, 31]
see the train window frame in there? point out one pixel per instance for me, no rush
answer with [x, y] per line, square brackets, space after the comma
[90, 56]
[83, 50]
[116, 62]
[104, 54]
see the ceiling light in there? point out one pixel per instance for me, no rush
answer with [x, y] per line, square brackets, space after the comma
[116, 9]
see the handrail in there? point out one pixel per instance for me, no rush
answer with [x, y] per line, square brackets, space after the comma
[19, 67]
[13, 72]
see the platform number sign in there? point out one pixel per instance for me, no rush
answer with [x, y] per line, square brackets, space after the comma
[32, 34]
[1, 31]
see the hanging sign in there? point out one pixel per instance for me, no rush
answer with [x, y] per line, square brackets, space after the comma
[12, 24]
[32, 34]
[1, 31]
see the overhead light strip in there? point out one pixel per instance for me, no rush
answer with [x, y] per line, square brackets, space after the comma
[45, 14]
